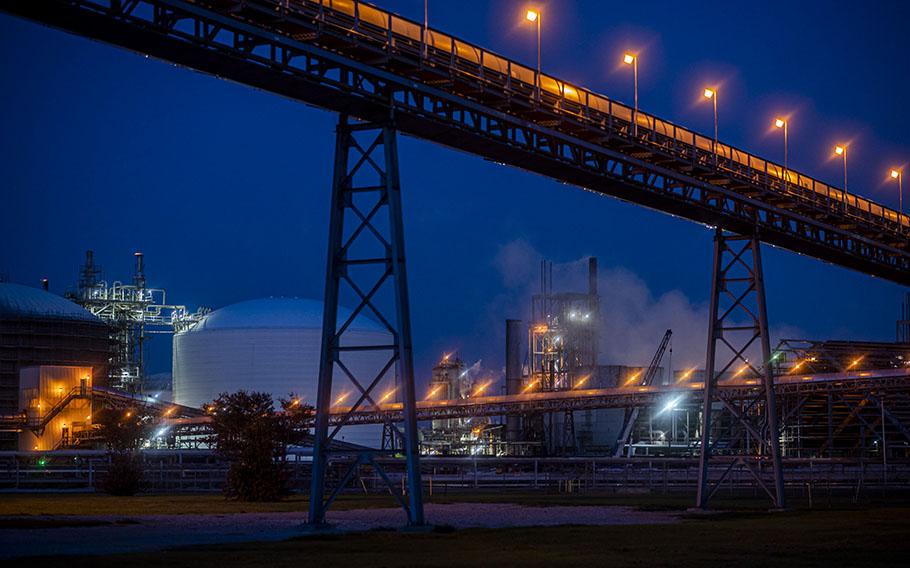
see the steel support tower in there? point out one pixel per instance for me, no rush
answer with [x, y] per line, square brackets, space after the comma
[748, 428]
[366, 258]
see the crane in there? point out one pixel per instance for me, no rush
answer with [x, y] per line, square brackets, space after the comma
[646, 380]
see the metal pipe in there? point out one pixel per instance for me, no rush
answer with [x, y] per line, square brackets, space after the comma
[514, 337]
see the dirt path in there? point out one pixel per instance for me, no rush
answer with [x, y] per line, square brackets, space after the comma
[32, 536]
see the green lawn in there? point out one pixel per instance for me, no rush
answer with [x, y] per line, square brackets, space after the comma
[875, 536]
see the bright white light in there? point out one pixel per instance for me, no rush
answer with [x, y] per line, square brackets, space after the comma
[671, 405]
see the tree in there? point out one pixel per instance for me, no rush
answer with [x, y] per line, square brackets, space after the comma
[255, 438]
[122, 431]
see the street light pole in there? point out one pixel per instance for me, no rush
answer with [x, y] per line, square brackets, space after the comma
[715, 122]
[784, 124]
[841, 150]
[538, 56]
[898, 174]
[534, 16]
[711, 93]
[632, 59]
[426, 23]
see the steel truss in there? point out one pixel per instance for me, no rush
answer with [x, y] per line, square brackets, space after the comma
[739, 320]
[310, 52]
[366, 258]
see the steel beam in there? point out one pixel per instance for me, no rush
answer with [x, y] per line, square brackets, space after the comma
[365, 215]
[309, 52]
[738, 318]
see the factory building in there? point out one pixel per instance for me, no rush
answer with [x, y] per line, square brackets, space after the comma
[58, 404]
[38, 328]
[272, 345]
[451, 380]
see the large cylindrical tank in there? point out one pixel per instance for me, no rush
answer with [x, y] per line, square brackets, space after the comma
[272, 345]
[40, 328]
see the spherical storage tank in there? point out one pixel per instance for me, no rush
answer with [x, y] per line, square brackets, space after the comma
[272, 345]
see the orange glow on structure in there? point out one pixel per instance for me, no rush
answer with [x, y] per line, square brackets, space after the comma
[433, 391]
[582, 381]
[628, 59]
[480, 388]
[685, 376]
[532, 15]
[709, 93]
[632, 379]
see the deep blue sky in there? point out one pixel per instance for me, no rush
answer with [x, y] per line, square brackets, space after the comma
[226, 188]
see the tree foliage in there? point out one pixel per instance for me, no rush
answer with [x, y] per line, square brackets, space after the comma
[122, 431]
[255, 438]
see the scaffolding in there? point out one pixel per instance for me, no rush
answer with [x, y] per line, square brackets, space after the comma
[562, 353]
[133, 311]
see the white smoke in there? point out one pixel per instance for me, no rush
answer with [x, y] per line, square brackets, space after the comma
[633, 319]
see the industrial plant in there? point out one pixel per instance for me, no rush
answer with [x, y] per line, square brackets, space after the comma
[272, 396]
[66, 357]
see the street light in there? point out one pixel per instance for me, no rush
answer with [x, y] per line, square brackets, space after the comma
[426, 23]
[898, 174]
[534, 16]
[712, 95]
[841, 150]
[784, 124]
[632, 59]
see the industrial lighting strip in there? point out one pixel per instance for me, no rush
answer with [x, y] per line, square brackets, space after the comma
[315, 54]
[894, 380]
[860, 382]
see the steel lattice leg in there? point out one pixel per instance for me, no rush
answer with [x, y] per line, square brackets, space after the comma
[366, 258]
[739, 320]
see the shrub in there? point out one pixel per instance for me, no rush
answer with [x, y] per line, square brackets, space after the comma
[124, 476]
[122, 431]
[248, 432]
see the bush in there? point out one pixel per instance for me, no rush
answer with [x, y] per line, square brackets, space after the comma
[255, 439]
[122, 431]
[124, 476]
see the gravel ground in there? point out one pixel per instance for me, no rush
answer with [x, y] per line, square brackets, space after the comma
[116, 534]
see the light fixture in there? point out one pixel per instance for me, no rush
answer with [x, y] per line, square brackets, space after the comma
[532, 15]
[628, 59]
[709, 93]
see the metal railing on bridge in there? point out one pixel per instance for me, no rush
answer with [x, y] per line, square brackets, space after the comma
[352, 57]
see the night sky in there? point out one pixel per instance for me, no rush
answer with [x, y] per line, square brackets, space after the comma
[226, 188]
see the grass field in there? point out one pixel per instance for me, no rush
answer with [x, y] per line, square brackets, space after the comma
[876, 536]
[835, 533]
[101, 504]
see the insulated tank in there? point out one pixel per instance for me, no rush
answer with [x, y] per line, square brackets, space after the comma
[272, 345]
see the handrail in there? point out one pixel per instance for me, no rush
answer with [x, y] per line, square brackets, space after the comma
[78, 391]
[393, 33]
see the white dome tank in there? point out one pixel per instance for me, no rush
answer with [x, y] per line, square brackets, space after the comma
[272, 345]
